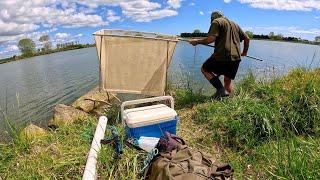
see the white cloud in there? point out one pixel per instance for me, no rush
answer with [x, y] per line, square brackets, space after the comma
[192, 4]
[317, 17]
[298, 5]
[23, 18]
[62, 35]
[11, 48]
[201, 13]
[97, 3]
[137, 10]
[145, 11]
[8, 48]
[111, 16]
[33, 35]
[32, 14]
[80, 20]
[175, 3]
[11, 28]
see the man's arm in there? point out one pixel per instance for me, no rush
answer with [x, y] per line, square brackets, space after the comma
[246, 39]
[245, 46]
[205, 41]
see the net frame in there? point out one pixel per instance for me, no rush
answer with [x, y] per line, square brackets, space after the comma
[147, 36]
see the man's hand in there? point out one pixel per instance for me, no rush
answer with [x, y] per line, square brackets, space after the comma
[244, 54]
[193, 42]
[245, 46]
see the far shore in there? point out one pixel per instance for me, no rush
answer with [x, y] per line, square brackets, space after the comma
[258, 39]
[18, 58]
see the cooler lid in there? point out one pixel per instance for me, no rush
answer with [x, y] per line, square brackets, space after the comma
[148, 115]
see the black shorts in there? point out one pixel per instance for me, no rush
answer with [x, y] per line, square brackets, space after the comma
[226, 68]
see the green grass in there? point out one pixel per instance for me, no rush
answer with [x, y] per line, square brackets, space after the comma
[265, 111]
[268, 130]
[59, 155]
[290, 158]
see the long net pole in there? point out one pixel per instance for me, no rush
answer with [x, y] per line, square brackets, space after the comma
[208, 45]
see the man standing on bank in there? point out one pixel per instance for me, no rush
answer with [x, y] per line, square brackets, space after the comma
[226, 58]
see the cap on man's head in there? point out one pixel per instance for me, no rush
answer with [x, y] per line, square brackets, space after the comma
[216, 14]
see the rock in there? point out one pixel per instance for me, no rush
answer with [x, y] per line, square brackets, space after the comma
[93, 99]
[85, 105]
[64, 114]
[33, 131]
[100, 111]
[52, 149]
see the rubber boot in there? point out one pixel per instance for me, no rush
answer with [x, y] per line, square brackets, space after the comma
[221, 92]
[215, 81]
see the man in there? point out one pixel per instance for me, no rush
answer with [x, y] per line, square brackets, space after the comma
[225, 60]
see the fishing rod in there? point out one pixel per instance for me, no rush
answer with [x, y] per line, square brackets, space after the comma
[208, 45]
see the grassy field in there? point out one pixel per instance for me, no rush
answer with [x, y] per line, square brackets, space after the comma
[267, 130]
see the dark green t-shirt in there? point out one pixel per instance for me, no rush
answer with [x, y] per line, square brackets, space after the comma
[228, 38]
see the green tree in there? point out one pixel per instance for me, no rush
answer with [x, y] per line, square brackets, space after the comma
[278, 37]
[45, 39]
[317, 38]
[27, 47]
[271, 34]
[196, 31]
[250, 34]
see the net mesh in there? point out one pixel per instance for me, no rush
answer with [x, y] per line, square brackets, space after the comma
[134, 62]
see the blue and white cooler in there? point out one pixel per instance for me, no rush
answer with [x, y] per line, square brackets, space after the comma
[149, 121]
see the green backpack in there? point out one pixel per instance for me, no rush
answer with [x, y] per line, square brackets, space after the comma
[186, 164]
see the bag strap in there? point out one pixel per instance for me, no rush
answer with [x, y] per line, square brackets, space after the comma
[174, 137]
[178, 139]
[223, 170]
[217, 169]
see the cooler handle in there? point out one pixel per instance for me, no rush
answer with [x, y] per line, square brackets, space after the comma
[140, 101]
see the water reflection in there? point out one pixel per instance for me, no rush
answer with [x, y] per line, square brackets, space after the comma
[36, 85]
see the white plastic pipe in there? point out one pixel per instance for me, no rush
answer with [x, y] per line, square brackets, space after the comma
[90, 170]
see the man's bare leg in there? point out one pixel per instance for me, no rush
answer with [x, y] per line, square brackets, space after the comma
[208, 75]
[228, 84]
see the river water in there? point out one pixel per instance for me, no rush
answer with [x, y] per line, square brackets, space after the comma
[30, 88]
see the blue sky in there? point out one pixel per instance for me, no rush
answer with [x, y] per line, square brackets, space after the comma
[76, 20]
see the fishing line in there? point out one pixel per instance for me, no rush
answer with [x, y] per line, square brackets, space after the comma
[194, 64]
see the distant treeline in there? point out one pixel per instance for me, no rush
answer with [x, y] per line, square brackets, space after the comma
[186, 35]
[271, 36]
[256, 36]
[280, 37]
[28, 48]
[63, 47]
